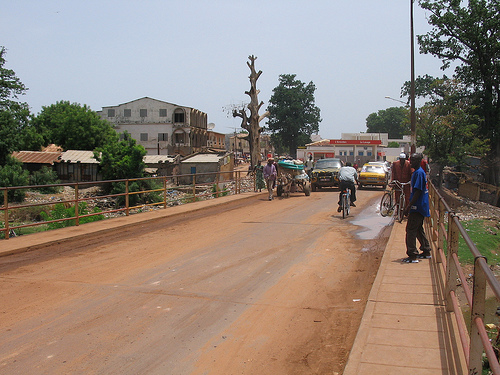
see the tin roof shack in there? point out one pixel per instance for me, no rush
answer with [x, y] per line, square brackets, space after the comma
[161, 165]
[78, 166]
[34, 160]
[200, 163]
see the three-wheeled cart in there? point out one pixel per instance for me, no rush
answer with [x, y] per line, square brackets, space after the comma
[292, 177]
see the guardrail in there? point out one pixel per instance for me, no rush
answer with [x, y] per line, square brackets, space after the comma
[136, 194]
[446, 230]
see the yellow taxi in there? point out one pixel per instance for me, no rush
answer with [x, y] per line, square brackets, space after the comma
[372, 175]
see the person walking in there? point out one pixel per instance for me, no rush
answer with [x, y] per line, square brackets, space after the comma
[417, 211]
[259, 177]
[270, 176]
[348, 176]
[401, 171]
[309, 165]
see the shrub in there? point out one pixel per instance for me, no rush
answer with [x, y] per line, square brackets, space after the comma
[61, 212]
[12, 174]
[45, 176]
[136, 186]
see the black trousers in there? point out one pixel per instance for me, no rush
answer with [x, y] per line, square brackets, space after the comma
[414, 231]
[347, 184]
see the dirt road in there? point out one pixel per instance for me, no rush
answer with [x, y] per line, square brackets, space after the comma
[256, 287]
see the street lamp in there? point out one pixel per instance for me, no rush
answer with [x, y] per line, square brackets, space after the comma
[397, 100]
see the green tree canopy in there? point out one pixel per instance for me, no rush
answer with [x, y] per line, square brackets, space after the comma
[14, 115]
[73, 126]
[393, 120]
[121, 160]
[293, 115]
[468, 33]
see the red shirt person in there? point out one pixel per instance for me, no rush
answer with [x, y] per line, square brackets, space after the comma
[401, 171]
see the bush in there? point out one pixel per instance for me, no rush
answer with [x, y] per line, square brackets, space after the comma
[45, 176]
[136, 186]
[12, 174]
[27, 214]
[61, 212]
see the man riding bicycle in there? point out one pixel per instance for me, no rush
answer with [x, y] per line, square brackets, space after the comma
[348, 176]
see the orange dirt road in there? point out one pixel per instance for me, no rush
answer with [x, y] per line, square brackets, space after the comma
[252, 287]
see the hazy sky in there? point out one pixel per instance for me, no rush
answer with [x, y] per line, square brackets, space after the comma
[194, 53]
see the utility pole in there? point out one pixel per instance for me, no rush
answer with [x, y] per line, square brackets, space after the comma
[413, 118]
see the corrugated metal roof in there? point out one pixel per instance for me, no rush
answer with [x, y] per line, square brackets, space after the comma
[323, 142]
[203, 158]
[155, 159]
[37, 157]
[74, 156]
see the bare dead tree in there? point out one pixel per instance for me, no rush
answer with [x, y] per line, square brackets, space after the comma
[250, 122]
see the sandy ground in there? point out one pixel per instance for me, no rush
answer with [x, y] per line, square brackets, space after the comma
[256, 287]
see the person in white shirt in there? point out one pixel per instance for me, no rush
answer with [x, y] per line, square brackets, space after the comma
[348, 176]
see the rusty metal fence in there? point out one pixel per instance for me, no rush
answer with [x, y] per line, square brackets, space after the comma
[134, 195]
[445, 229]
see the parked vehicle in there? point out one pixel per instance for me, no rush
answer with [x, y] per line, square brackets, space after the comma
[325, 173]
[373, 175]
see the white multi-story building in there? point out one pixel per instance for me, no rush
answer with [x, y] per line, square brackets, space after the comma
[162, 128]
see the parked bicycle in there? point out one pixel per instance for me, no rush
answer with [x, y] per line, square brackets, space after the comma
[389, 205]
[345, 200]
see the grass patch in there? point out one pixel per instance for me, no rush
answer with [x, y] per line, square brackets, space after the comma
[486, 236]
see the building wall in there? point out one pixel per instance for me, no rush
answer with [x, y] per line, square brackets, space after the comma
[162, 128]
[216, 140]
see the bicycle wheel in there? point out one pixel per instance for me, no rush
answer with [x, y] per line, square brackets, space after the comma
[401, 208]
[386, 204]
[345, 206]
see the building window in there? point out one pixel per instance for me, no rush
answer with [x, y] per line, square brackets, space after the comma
[163, 112]
[351, 153]
[122, 136]
[360, 153]
[127, 113]
[162, 136]
[179, 115]
[369, 153]
[111, 113]
[144, 136]
[143, 112]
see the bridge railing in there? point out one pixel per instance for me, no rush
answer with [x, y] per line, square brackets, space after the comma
[125, 197]
[446, 229]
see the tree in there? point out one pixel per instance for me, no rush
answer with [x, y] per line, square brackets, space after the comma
[251, 123]
[13, 174]
[121, 160]
[73, 126]
[468, 33]
[393, 121]
[293, 115]
[14, 115]
[448, 127]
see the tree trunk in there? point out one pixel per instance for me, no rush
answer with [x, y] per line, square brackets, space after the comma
[251, 123]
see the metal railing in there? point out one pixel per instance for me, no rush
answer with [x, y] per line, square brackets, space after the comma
[136, 195]
[445, 229]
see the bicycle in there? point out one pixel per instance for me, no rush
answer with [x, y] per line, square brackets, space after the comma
[388, 204]
[345, 202]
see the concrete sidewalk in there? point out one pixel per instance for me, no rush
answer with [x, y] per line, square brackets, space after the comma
[405, 328]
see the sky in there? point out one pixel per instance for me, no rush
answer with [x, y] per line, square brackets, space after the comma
[194, 53]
